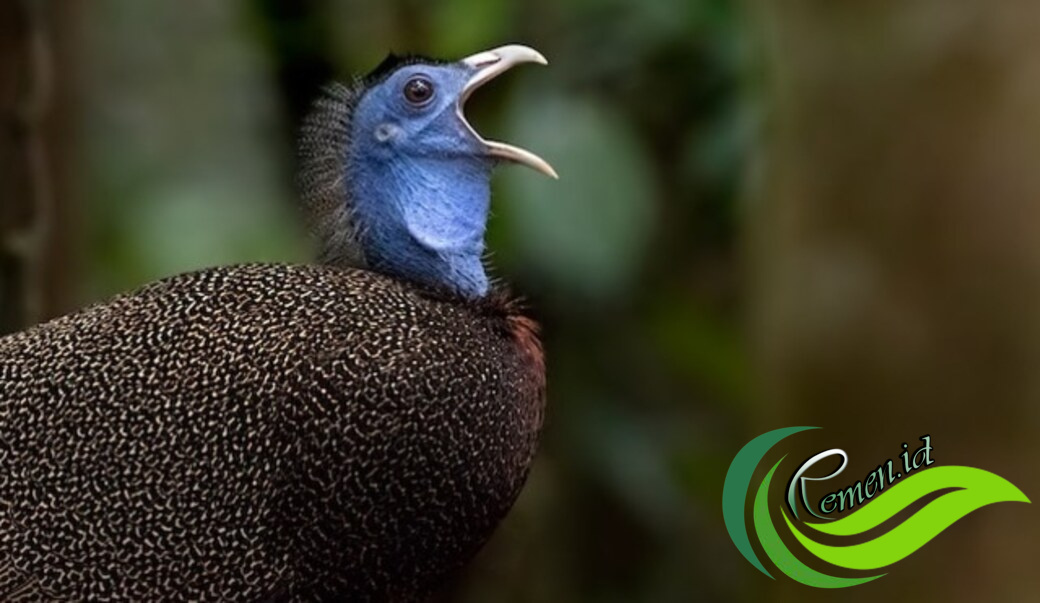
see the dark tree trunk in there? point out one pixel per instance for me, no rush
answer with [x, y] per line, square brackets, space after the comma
[897, 260]
[35, 147]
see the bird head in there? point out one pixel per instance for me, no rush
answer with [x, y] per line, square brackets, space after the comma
[398, 179]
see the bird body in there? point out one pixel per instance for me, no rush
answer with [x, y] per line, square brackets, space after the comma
[351, 430]
[255, 440]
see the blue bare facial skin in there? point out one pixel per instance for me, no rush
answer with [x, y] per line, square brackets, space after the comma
[420, 176]
[422, 181]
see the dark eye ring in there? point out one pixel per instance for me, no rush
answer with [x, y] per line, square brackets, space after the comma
[418, 90]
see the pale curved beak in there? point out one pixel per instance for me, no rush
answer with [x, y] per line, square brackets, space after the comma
[490, 64]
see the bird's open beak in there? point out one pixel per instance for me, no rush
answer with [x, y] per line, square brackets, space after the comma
[489, 64]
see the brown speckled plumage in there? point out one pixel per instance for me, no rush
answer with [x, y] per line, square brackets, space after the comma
[262, 432]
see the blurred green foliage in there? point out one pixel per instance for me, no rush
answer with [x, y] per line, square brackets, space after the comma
[629, 260]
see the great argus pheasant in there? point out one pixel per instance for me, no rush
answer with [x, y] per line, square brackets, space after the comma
[350, 430]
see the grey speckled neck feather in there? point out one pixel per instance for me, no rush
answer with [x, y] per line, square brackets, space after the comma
[322, 178]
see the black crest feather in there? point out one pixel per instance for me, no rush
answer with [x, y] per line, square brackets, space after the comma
[393, 62]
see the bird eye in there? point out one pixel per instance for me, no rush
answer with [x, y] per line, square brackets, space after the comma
[418, 91]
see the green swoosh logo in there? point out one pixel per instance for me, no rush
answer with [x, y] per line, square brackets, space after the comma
[781, 556]
[978, 488]
[968, 488]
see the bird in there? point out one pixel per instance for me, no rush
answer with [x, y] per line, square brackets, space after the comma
[350, 429]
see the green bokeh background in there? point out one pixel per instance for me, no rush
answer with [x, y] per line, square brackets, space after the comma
[769, 214]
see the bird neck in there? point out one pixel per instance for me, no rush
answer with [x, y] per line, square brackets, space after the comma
[423, 219]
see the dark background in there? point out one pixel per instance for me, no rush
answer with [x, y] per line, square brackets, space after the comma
[769, 214]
